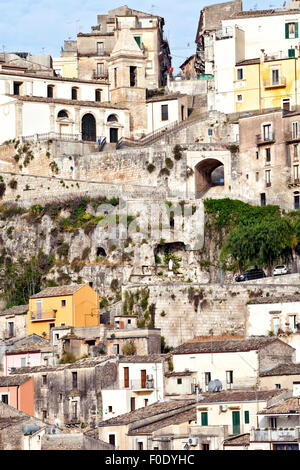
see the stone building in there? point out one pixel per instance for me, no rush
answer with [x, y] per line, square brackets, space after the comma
[70, 394]
[94, 49]
[13, 322]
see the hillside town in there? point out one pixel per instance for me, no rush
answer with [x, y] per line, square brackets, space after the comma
[150, 237]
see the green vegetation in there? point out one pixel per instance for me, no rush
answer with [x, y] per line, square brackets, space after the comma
[252, 235]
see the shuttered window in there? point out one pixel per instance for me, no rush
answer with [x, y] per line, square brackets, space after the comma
[204, 418]
[247, 421]
[291, 30]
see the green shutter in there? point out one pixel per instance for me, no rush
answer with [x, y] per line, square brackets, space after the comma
[138, 40]
[286, 30]
[291, 53]
[204, 418]
[247, 417]
[296, 30]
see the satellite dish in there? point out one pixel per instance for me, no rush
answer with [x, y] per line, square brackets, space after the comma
[214, 385]
[57, 422]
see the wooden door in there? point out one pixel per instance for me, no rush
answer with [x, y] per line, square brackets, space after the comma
[143, 378]
[126, 377]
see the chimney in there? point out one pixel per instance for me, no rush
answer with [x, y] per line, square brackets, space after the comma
[262, 55]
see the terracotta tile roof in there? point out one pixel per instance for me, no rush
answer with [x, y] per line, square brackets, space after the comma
[32, 347]
[259, 13]
[11, 421]
[179, 374]
[51, 77]
[82, 363]
[148, 358]
[13, 380]
[156, 409]
[241, 440]
[275, 300]
[58, 291]
[289, 406]
[228, 345]
[230, 396]
[249, 61]
[281, 369]
[173, 96]
[179, 418]
[17, 310]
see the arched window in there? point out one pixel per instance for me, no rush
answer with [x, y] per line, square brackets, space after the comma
[74, 93]
[62, 114]
[112, 118]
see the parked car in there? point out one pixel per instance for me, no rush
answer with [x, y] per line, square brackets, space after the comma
[250, 274]
[280, 269]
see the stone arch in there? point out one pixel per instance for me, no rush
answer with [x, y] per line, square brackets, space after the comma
[209, 172]
[88, 127]
[112, 118]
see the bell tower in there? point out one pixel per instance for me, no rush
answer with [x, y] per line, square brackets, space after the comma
[127, 72]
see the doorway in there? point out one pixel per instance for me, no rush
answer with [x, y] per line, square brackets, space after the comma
[88, 128]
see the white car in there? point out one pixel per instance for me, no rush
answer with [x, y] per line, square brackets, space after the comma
[280, 269]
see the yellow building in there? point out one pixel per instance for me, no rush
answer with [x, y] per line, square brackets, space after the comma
[66, 67]
[267, 82]
[70, 305]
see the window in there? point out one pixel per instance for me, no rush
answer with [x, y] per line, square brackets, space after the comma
[263, 199]
[295, 130]
[74, 380]
[267, 132]
[74, 410]
[229, 377]
[145, 401]
[275, 76]
[273, 423]
[276, 325]
[268, 155]
[291, 30]
[50, 91]
[133, 76]
[63, 303]
[257, 176]
[239, 98]
[296, 201]
[179, 381]
[74, 93]
[23, 361]
[100, 69]
[132, 404]
[4, 398]
[164, 112]
[116, 349]
[292, 323]
[205, 446]
[17, 88]
[286, 103]
[140, 446]
[268, 178]
[44, 414]
[246, 417]
[44, 380]
[204, 418]
[100, 48]
[110, 408]
[62, 114]
[296, 172]
[295, 147]
[257, 155]
[98, 95]
[112, 439]
[278, 386]
[239, 74]
[210, 132]
[207, 376]
[10, 328]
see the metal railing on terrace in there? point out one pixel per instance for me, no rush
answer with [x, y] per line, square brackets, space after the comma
[265, 138]
[43, 315]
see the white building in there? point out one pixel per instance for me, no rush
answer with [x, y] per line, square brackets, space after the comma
[141, 383]
[235, 363]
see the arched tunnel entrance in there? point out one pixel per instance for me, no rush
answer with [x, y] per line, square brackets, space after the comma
[208, 173]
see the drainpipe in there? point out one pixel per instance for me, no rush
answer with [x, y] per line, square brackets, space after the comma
[262, 59]
[296, 57]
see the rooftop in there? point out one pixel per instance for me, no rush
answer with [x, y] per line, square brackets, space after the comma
[157, 409]
[178, 418]
[289, 406]
[148, 358]
[41, 99]
[82, 363]
[259, 13]
[240, 440]
[228, 345]
[13, 380]
[230, 396]
[281, 369]
[11, 421]
[275, 300]
[17, 310]
[58, 291]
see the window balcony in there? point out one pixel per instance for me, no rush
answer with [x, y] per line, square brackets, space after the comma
[280, 83]
[291, 137]
[100, 75]
[45, 315]
[262, 139]
[139, 385]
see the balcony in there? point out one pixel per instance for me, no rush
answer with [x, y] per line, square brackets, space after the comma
[268, 138]
[293, 182]
[45, 315]
[140, 385]
[291, 137]
[100, 75]
[280, 83]
[275, 435]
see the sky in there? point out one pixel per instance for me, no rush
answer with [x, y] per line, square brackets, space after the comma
[41, 26]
